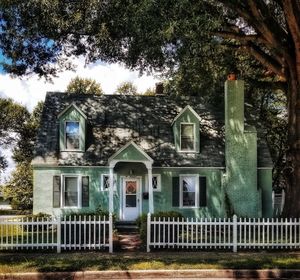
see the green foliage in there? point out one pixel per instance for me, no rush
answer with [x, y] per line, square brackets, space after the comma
[19, 188]
[13, 119]
[149, 92]
[99, 211]
[127, 88]
[84, 86]
[142, 221]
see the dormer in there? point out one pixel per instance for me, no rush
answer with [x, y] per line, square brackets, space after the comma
[72, 129]
[186, 130]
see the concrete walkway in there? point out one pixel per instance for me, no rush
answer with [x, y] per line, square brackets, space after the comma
[159, 274]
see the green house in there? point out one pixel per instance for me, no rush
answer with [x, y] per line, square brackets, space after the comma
[138, 154]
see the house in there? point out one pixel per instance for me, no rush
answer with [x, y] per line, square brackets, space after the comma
[140, 154]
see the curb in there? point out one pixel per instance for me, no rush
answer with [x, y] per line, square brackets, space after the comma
[158, 274]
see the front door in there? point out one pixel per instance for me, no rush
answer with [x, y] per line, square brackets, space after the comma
[131, 199]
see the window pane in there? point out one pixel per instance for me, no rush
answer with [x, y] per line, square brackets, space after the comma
[130, 200]
[188, 199]
[188, 184]
[154, 182]
[71, 193]
[187, 130]
[187, 137]
[72, 135]
[105, 182]
[188, 191]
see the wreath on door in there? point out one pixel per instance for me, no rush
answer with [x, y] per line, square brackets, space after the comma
[130, 188]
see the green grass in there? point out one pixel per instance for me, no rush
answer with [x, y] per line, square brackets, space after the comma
[81, 261]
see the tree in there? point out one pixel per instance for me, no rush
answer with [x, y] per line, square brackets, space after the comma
[126, 88]
[84, 86]
[13, 118]
[23, 150]
[167, 36]
[19, 188]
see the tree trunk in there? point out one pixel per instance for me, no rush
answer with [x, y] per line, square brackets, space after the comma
[292, 172]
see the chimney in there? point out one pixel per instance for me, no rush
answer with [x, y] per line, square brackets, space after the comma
[234, 106]
[159, 88]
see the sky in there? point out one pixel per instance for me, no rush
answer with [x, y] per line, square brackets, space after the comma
[29, 91]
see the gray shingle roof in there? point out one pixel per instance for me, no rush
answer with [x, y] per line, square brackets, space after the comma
[114, 120]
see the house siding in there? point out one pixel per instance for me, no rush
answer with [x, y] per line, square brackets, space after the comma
[43, 196]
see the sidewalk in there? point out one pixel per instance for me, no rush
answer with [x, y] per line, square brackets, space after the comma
[159, 274]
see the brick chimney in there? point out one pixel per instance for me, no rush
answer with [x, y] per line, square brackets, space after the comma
[159, 88]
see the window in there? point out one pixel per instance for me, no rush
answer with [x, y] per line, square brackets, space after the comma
[187, 137]
[70, 195]
[72, 135]
[189, 191]
[156, 183]
[70, 191]
[105, 182]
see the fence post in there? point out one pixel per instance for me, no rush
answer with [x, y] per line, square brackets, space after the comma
[110, 237]
[148, 231]
[58, 234]
[234, 233]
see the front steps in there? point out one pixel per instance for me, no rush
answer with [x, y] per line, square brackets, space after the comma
[128, 236]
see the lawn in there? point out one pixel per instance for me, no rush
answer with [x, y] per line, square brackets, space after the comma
[82, 261]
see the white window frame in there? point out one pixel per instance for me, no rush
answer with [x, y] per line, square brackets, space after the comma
[79, 191]
[194, 130]
[102, 182]
[65, 136]
[196, 176]
[158, 189]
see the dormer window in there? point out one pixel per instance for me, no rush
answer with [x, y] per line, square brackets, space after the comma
[187, 137]
[186, 129]
[72, 135]
[72, 129]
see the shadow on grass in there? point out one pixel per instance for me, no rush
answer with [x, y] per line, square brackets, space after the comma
[81, 261]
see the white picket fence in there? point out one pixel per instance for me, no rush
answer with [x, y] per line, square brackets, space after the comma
[231, 234]
[60, 233]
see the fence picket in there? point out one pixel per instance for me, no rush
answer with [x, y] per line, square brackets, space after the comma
[223, 233]
[44, 233]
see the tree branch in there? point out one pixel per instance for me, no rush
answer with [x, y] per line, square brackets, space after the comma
[265, 59]
[240, 37]
[292, 13]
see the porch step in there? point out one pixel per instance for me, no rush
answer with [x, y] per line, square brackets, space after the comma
[129, 241]
[126, 227]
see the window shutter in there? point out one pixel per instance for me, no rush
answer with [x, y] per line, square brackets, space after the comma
[85, 191]
[56, 191]
[202, 191]
[175, 190]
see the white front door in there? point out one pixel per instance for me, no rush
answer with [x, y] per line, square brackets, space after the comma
[131, 198]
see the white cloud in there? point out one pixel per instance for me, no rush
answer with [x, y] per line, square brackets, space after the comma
[29, 91]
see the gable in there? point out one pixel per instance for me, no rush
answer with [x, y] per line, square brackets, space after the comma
[71, 112]
[187, 114]
[130, 152]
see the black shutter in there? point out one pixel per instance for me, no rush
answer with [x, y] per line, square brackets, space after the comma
[56, 191]
[85, 191]
[202, 191]
[175, 191]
